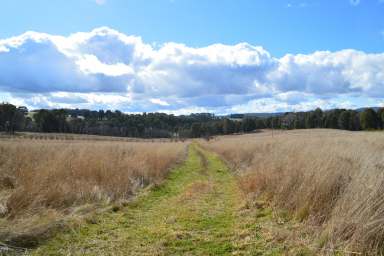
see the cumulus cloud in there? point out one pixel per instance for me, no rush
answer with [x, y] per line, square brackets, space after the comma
[322, 73]
[108, 69]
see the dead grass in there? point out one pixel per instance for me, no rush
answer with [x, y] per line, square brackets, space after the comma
[328, 179]
[50, 180]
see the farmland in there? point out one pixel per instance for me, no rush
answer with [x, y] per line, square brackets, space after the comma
[299, 192]
[45, 181]
[330, 181]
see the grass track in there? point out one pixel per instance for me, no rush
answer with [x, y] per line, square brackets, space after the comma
[199, 210]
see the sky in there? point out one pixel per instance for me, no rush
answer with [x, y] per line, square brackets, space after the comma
[184, 56]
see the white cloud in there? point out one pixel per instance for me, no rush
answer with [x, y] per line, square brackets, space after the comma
[105, 68]
[159, 102]
[346, 71]
[100, 2]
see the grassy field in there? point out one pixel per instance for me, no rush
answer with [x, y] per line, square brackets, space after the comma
[199, 210]
[79, 137]
[329, 180]
[43, 183]
[302, 192]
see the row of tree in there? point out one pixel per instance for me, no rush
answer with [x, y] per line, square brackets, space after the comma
[353, 120]
[160, 125]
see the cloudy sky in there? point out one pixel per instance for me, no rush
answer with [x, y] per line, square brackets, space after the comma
[183, 56]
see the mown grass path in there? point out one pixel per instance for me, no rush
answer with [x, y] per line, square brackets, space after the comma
[197, 211]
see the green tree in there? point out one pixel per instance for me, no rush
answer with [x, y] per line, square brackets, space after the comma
[380, 116]
[51, 120]
[248, 124]
[354, 121]
[228, 126]
[11, 118]
[318, 118]
[368, 119]
[331, 118]
[196, 130]
[344, 120]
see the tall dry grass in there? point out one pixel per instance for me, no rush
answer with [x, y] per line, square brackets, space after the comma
[330, 179]
[37, 177]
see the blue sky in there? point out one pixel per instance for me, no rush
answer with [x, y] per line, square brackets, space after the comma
[280, 26]
[184, 56]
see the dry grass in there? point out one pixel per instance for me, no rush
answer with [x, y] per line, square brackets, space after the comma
[54, 178]
[79, 137]
[333, 180]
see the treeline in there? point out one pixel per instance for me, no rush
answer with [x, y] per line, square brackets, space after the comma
[344, 119]
[353, 120]
[160, 125]
[109, 123]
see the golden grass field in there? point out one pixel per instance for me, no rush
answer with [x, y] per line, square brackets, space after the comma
[330, 180]
[325, 186]
[45, 181]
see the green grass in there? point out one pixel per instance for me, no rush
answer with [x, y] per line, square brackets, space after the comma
[199, 210]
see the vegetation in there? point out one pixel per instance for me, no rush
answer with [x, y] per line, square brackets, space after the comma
[11, 118]
[43, 182]
[299, 192]
[199, 210]
[331, 181]
[160, 125]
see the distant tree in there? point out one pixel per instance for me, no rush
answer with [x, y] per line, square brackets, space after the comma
[228, 126]
[380, 116]
[218, 127]
[318, 118]
[101, 115]
[196, 130]
[61, 118]
[344, 120]
[288, 121]
[331, 118]
[248, 124]
[368, 119]
[51, 120]
[151, 125]
[299, 121]
[46, 121]
[260, 123]
[238, 126]
[109, 114]
[309, 120]
[11, 118]
[354, 121]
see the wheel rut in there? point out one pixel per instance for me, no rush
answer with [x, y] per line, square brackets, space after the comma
[198, 210]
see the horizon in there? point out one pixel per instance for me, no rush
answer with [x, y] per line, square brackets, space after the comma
[182, 56]
[375, 108]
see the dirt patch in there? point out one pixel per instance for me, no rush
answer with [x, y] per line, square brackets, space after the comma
[196, 189]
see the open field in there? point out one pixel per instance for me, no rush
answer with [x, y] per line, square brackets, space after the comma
[78, 137]
[301, 192]
[43, 182]
[199, 210]
[331, 181]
